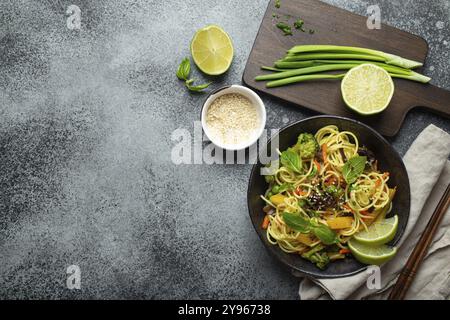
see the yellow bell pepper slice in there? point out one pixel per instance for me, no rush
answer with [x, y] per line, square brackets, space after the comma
[277, 199]
[340, 223]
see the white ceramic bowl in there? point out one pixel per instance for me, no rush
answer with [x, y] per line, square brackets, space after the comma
[254, 99]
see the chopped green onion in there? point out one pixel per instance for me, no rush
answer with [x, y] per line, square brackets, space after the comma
[287, 30]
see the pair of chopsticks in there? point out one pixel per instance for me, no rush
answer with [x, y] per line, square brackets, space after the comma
[408, 273]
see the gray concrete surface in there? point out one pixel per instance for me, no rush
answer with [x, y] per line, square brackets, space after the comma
[85, 170]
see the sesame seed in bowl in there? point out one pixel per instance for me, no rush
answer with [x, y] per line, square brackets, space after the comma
[233, 117]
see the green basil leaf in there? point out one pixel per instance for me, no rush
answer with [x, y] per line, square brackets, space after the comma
[296, 222]
[303, 225]
[197, 88]
[325, 234]
[187, 68]
[184, 69]
[353, 168]
[291, 160]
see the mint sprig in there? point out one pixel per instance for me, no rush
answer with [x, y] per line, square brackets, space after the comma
[183, 71]
[291, 160]
[353, 168]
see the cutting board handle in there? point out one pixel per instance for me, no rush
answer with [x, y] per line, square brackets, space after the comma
[433, 98]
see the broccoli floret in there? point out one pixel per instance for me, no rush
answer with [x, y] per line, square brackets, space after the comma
[317, 256]
[336, 192]
[310, 253]
[269, 179]
[306, 146]
[322, 260]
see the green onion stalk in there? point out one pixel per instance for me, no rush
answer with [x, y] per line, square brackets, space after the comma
[414, 76]
[375, 54]
[408, 74]
[302, 78]
[273, 69]
[304, 71]
[330, 55]
[309, 77]
[333, 67]
[392, 70]
[311, 63]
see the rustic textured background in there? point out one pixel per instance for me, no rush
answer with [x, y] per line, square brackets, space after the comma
[85, 170]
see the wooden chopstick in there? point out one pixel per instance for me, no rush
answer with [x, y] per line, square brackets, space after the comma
[411, 267]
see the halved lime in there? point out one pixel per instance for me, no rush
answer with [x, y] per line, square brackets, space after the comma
[212, 50]
[380, 232]
[369, 254]
[367, 89]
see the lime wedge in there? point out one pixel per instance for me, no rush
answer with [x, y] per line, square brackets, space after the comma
[367, 89]
[380, 232]
[212, 50]
[369, 254]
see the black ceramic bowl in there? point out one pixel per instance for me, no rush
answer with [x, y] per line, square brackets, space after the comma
[388, 160]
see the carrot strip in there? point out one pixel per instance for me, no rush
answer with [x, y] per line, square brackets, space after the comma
[346, 206]
[344, 251]
[378, 183]
[266, 222]
[299, 191]
[383, 177]
[317, 164]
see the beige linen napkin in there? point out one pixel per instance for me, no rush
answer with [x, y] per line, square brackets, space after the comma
[429, 173]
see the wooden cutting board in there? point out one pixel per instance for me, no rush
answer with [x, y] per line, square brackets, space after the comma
[340, 27]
